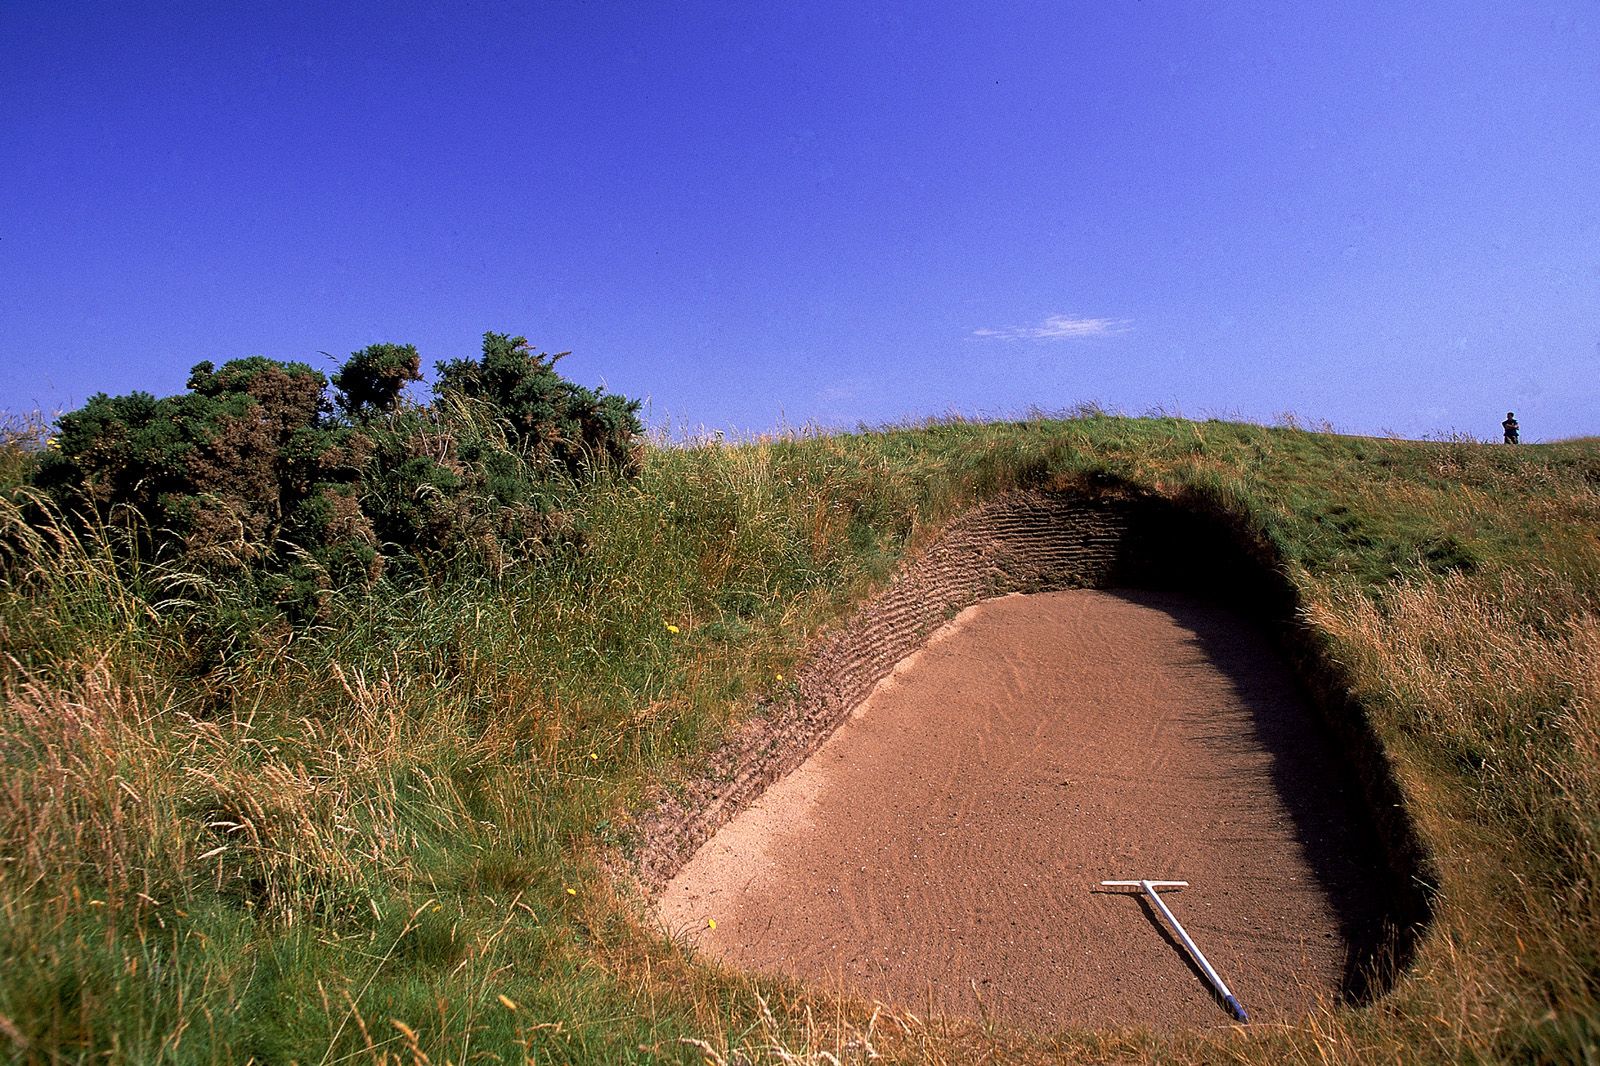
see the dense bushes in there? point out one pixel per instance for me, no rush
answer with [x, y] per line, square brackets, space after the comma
[256, 473]
[548, 416]
[370, 382]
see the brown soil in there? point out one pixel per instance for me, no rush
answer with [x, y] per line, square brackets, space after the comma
[943, 848]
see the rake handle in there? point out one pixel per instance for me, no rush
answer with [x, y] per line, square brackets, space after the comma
[1149, 887]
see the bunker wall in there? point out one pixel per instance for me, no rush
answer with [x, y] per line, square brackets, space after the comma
[1028, 542]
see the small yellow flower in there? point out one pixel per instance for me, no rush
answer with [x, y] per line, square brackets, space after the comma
[572, 892]
[778, 676]
[711, 923]
[510, 1004]
[671, 628]
[592, 755]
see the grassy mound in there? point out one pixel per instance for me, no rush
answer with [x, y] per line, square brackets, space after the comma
[377, 833]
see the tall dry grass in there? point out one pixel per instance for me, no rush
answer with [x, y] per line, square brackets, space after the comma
[1496, 682]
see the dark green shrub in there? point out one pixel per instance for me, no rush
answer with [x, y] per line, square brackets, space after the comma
[371, 380]
[548, 416]
[229, 476]
[251, 474]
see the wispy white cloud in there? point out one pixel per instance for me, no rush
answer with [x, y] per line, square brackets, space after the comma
[1059, 327]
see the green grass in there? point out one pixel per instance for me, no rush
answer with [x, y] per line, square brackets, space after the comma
[380, 837]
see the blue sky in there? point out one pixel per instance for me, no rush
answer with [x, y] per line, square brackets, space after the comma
[1382, 215]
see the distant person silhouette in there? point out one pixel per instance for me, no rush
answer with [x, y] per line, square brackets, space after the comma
[1511, 427]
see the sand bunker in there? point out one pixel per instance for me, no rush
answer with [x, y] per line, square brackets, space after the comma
[941, 848]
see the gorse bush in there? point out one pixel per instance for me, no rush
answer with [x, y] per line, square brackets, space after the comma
[256, 474]
[372, 380]
[228, 477]
[547, 416]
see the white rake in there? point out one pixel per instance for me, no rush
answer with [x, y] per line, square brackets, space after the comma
[1149, 887]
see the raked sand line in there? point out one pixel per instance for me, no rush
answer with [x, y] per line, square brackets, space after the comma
[940, 849]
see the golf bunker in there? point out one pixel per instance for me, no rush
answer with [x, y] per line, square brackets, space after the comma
[927, 822]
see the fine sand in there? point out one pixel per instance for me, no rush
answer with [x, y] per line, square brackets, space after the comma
[942, 850]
